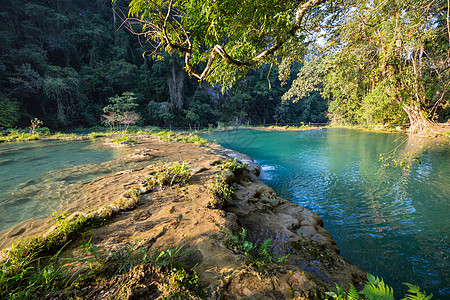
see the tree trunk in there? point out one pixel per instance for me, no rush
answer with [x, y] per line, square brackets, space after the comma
[418, 122]
[176, 83]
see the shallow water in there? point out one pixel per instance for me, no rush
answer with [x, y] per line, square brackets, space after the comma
[38, 178]
[391, 221]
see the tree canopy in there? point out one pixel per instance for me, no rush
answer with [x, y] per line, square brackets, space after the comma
[388, 62]
[224, 38]
[61, 61]
[377, 61]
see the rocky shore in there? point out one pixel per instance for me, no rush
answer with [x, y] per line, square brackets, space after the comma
[183, 215]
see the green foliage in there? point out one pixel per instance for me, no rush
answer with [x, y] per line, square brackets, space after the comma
[36, 276]
[170, 136]
[175, 174]
[120, 111]
[17, 136]
[233, 165]
[21, 273]
[376, 289]
[258, 258]
[65, 74]
[234, 34]
[375, 70]
[123, 139]
[65, 136]
[121, 104]
[35, 124]
[9, 112]
[221, 192]
[31, 276]
[134, 193]
[415, 293]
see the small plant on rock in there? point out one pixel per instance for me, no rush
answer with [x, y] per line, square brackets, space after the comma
[176, 174]
[258, 259]
[233, 165]
[221, 192]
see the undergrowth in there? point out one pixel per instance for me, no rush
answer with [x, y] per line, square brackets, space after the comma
[233, 165]
[21, 269]
[45, 276]
[256, 257]
[123, 139]
[175, 174]
[119, 137]
[221, 192]
[376, 289]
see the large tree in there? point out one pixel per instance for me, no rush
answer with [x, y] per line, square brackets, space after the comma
[221, 40]
[387, 61]
[376, 58]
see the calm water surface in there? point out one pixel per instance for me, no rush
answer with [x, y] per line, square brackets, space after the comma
[392, 222]
[35, 177]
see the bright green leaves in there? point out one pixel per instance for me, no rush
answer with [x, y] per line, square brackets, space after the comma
[376, 289]
[378, 64]
[229, 36]
[415, 293]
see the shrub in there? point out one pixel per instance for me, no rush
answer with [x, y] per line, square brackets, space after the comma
[123, 139]
[175, 174]
[234, 166]
[259, 258]
[221, 192]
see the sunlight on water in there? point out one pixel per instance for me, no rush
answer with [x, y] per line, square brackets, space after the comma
[392, 222]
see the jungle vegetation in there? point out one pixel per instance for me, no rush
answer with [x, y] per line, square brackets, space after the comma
[199, 63]
[375, 61]
[62, 61]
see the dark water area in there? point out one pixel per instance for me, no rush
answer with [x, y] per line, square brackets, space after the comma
[391, 221]
[37, 177]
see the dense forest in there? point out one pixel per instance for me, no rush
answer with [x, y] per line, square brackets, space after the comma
[348, 62]
[61, 61]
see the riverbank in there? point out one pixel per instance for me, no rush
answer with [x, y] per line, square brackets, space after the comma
[228, 236]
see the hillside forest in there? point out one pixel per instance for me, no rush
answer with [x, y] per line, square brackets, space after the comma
[63, 61]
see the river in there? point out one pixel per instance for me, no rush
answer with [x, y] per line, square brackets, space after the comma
[392, 221]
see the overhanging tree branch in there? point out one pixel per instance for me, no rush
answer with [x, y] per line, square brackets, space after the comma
[161, 32]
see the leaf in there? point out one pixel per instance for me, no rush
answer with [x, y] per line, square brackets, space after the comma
[414, 289]
[376, 289]
[352, 293]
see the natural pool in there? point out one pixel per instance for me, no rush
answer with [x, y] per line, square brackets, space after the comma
[393, 222]
[38, 178]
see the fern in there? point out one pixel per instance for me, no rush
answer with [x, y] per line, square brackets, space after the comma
[352, 293]
[376, 289]
[418, 295]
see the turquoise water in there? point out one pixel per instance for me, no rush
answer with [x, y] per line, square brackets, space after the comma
[35, 177]
[390, 221]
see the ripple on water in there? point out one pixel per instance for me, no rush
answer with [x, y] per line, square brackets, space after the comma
[391, 221]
